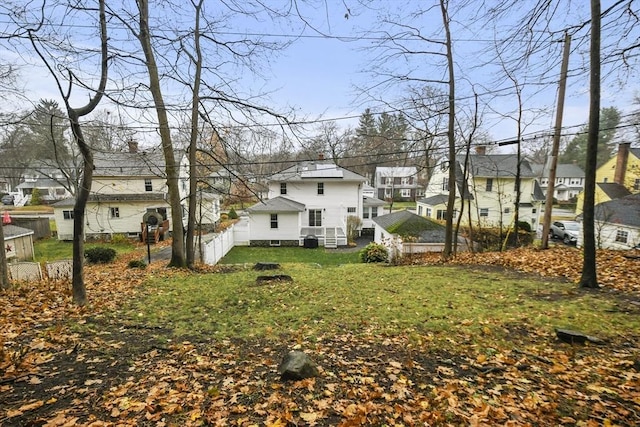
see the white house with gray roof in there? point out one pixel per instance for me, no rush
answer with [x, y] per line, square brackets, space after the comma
[488, 194]
[125, 187]
[308, 199]
[617, 223]
[569, 181]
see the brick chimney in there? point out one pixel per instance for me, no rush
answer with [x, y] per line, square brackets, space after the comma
[133, 146]
[481, 150]
[621, 163]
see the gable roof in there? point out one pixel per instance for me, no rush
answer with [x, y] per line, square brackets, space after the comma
[396, 171]
[13, 231]
[372, 201]
[142, 163]
[569, 170]
[613, 190]
[497, 165]
[623, 211]
[438, 199]
[118, 197]
[407, 224]
[277, 204]
[316, 171]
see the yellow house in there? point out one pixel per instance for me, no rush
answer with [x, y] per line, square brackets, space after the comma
[618, 177]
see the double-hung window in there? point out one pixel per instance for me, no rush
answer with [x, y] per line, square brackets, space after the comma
[274, 220]
[489, 186]
[622, 236]
[283, 188]
[148, 186]
[114, 212]
[320, 188]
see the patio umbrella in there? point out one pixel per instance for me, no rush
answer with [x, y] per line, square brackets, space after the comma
[6, 219]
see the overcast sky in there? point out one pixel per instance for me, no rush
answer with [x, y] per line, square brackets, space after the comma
[321, 72]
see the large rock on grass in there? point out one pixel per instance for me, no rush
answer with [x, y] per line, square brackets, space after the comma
[296, 365]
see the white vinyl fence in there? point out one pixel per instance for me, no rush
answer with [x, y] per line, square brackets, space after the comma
[214, 249]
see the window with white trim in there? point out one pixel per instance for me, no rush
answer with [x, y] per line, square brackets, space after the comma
[484, 212]
[405, 192]
[320, 188]
[351, 210]
[283, 188]
[428, 213]
[274, 220]
[67, 214]
[148, 186]
[114, 212]
[441, 214]
[622, 236]
[315, 218]
[374, 212]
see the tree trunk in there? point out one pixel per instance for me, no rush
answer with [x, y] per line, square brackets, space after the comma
[82, 197]
[4, 269]
[172, 169]
[589, 277]
[193, 141]
[448, 240]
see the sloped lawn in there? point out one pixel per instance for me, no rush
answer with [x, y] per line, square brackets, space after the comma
[409, 345]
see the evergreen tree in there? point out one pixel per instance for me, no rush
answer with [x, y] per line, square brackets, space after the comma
[576, 149]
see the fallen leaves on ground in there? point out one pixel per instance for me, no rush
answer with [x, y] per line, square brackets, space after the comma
[112, 373]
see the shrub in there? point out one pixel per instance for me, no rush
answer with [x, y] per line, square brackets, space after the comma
[137, 263]
[99, 255]
[233, 214]
[524, 226]
[36, 197]
[374, 252]
[224, 217]
[119, 239]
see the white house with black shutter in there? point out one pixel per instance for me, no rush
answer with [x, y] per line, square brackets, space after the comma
[311, 200]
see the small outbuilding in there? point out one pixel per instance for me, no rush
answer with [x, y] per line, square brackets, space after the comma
[404, 232]
[18, 243]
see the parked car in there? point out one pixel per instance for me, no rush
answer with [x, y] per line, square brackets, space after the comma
[568, 231]
[7, 199]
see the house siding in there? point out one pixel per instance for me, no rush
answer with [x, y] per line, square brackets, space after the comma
[337, 198]
[499, 203]
[261, 231]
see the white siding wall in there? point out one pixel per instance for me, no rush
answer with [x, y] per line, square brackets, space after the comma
[118, 185]
[98, 218]
[606, 236]
[288, 226]
[337, 198]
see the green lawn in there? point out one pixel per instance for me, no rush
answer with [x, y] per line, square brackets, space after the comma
[53, 249]
[378, 299]
[245, 254]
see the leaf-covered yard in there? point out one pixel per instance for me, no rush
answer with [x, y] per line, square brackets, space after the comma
[450, 361]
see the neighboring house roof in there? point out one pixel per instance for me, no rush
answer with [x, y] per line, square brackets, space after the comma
[623, 211]
[396, 171]
[143, 163]
[538, 194]
[407, 224]
[613, 190]
[13, 231]
[40, 183]
[120, 197]
[438, 199]
[497, 165]
[321, 170]
[277, 204]
[372, 201]
[569, 170]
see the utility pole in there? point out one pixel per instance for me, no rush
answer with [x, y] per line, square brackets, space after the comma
[553, 159]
